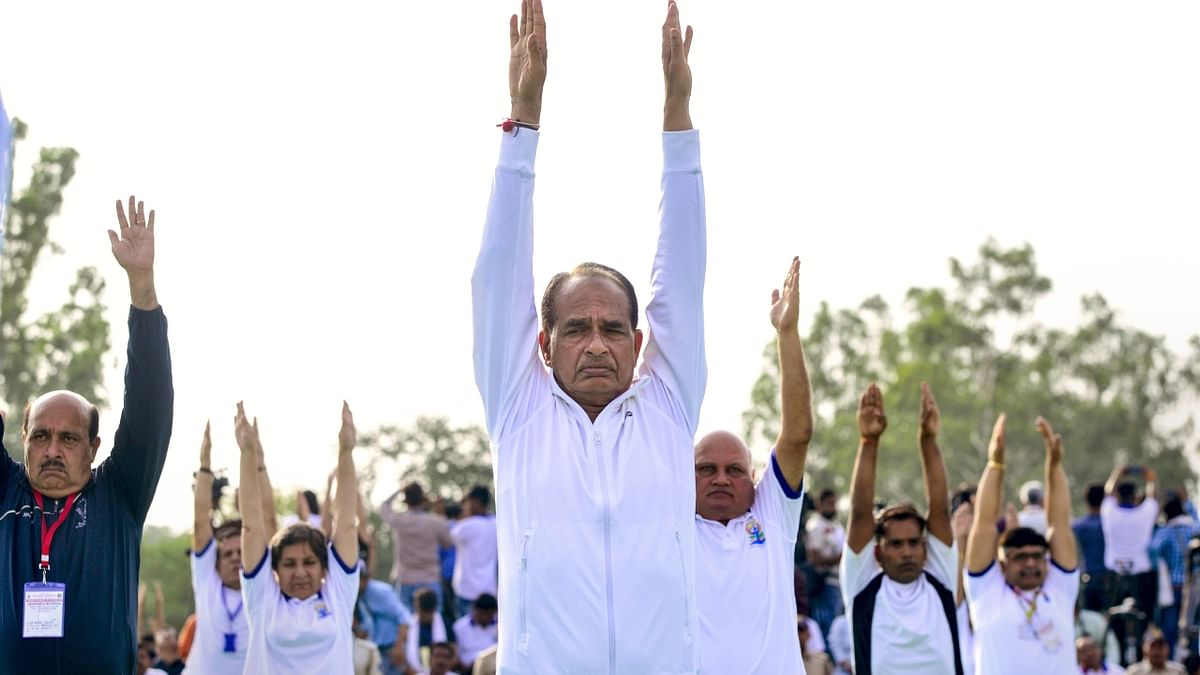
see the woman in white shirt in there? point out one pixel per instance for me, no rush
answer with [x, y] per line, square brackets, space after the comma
[301, 611]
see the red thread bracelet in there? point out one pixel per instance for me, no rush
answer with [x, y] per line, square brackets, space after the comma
[508, 124]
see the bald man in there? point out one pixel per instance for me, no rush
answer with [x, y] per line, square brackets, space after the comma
[746, 534]
[70, 535]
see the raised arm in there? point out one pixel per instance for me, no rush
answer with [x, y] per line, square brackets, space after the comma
[796, 418]
[345, 543]
[505, 320]
[675, 313]
[139, 447]
[961, 524]
[202, 531]
[981, 543]
[871, 425]
[254, 533]
[1110, 485]
[1151, 483]
[160, 608]
[327, 506]
[934, 469]
[266, 491]
[1063, 550]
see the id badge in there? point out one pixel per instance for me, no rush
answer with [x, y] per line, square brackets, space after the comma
[1025, 632]
[1048, 636]
[231, 643]
[45, 606]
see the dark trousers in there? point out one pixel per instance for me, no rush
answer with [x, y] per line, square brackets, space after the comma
[1143, 588]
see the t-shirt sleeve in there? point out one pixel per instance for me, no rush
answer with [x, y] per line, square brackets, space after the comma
[1062, 584]
[259, 589]
[942, 562]
[857, 570]
[984, 587]
[204, 568]
[342, 580]
[777, 503]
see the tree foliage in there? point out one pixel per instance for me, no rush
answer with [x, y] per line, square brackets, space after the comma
[65, 347]
[1113, 391]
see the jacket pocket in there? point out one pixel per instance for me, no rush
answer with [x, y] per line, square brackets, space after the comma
[523, 590]
[687, 585]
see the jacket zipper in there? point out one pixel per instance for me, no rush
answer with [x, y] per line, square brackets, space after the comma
[687, 603]
[608, 580]
[523, 639]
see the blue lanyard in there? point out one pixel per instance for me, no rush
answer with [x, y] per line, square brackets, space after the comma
[232, 615]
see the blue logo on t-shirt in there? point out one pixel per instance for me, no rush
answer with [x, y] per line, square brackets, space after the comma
[755, 533]
[322, 610]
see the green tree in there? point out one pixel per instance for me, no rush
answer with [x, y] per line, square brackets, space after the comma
[63, 348]
[165, 561]
[1112, 390]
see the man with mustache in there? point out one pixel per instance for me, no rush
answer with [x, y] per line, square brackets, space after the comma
[70, 535]
[1024, 610]
[746, 534]
[900, 568]
[595, 492]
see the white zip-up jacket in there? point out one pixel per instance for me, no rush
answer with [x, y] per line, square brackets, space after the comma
[595, 521]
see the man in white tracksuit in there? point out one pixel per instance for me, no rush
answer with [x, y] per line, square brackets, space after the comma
[594, 477]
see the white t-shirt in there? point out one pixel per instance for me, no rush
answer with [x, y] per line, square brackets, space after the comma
[1127, 533]
[475, 563]
[218, 614]
[1005, 642]
[301, 636]
[909, 632]
[473, 638]
[745, 584]
[966, 639]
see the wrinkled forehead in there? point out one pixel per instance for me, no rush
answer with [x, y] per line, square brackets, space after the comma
[59, 407]
[590, 293]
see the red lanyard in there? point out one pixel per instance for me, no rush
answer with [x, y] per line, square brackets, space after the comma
[48, 535]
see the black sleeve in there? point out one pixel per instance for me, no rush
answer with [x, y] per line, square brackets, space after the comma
[139, 448]
[7, 465]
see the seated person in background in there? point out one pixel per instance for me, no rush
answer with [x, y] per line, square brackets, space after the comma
[166, 643]
[815, 663]
[476, 631]
[425, 628]
[1155, 648]
[442, 658]
[380, 613]
[1091, 660]
[1094, 624]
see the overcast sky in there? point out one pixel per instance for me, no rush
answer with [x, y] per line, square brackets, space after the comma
[321, 172]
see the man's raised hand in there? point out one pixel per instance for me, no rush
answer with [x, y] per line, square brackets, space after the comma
[931, 417]
[677, 75]
[348, 435]
[134, 250]
[527, 61]
[785, 306]
[206, 447]
[871, 420]
[245, 431]
[996, 446]
[1054, 449]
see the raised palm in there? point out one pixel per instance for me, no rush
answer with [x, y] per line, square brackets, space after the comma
[677, 44]
[527, 60]
[134, 247]
[871, 420]
[1054, 448]
[931, 417]
[348, 435]
[206, 446]
[785, 306]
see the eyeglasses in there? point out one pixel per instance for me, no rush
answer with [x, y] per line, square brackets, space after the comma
[1026, 557]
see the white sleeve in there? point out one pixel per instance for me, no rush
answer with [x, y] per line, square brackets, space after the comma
[505, 319]
[342, 581]
[259, 588]
[675, 313]
[942, 562]
[1062, 585]
[777, 504]
[204, 568]
[1148, 509]
[983, 588]
[857, 570]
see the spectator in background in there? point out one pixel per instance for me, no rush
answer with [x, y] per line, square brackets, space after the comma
[960, 523]
[222, 634]
[384, 620]
[1169, 547]
[1091, 660]
[1128, 520]
[1023, 610]
[145, 660]
[475, 562]
[367, 659]
[416, 535]
[840, 645]
[899, 568]
[308, 510]
[1032, 514]
[824, 539]
[815, 662]
[452, 512]
[485, 662]
[1095, 625]
[1089, 532]
[166, 644]
[95, 551]
[425, 628]
[1155, 648]
[476, 629]
[442, 659]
